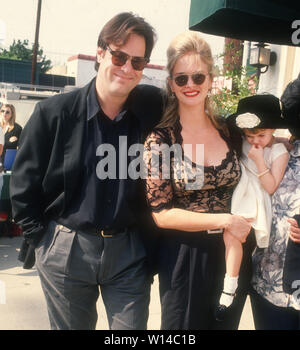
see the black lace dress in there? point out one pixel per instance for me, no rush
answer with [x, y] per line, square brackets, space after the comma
[191, 266]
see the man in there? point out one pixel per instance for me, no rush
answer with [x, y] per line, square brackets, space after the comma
[81, 217]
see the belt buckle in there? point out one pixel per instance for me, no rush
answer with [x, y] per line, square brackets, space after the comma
[104, 235]
[218, 230]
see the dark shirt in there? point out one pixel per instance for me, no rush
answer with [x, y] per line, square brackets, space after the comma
[107, 203]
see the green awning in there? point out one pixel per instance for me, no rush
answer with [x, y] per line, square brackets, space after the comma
[267, 21]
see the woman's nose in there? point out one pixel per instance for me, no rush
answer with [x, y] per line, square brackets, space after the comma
[190, 81]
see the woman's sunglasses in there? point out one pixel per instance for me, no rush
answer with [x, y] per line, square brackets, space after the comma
[119, 58]
[197, 78]
[5, 111]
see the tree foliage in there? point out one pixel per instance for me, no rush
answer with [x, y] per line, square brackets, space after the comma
[21, 50]
[226, 99]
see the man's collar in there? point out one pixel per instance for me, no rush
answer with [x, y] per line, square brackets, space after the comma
[93, 107]
[92, 103]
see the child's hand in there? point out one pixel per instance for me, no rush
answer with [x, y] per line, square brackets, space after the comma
[256, 153]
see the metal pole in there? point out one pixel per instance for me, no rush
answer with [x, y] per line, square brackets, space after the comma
[36, 42]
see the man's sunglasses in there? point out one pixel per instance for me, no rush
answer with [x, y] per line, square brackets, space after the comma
[119, 58]
[5, 111]
[182, 79]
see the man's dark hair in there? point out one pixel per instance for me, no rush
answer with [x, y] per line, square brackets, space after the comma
[290, 101]
[118, 29]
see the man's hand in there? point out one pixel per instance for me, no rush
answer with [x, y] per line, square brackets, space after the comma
[294, 233]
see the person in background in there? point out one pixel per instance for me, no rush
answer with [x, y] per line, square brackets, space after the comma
[194, 211]
[82, 221]
[11, 129]
[1, 137]
[1, 144]
[274, 307]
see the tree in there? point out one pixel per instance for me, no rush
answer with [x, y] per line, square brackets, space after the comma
[240, 78]
[20, 50]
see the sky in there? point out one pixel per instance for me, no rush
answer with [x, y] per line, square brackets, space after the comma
[71, 27]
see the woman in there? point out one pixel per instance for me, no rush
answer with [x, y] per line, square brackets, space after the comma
[273, 307]
[193, 210]
[11, 129]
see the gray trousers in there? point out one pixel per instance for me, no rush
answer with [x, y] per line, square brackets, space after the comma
[73, 266]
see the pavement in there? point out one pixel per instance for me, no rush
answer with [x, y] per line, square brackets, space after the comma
[22, 303]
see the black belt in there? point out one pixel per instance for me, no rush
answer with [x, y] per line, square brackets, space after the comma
[105, 233]
[109, 233]
[99, 232]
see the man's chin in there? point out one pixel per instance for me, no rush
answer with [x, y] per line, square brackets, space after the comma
[122, 90]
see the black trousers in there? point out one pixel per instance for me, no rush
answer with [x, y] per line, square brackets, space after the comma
[191, 274]
[268, 316]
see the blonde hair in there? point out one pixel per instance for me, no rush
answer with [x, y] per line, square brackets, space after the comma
[12, 120]
[187, 43]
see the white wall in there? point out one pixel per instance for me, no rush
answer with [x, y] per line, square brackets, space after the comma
[154, 76]
[271, 81]
[82, 69]
[85, 73]
[24, 109]
[296, 70]
[72, 68]
[286, 68]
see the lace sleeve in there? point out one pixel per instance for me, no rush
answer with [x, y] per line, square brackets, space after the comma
[159, 190]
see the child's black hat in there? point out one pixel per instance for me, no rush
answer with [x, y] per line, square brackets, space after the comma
[259, 111]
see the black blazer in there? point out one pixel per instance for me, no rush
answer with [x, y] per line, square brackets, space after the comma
[47, 167]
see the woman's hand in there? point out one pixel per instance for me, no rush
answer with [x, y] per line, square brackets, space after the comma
[238, 227]
[13, 139]
[294, 233]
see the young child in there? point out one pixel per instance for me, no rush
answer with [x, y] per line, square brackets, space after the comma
[263, 164]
